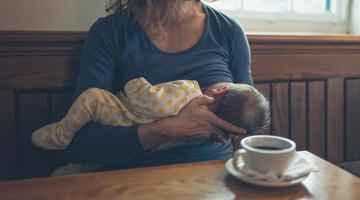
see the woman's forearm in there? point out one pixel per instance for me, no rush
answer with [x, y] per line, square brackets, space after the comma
[155, 133]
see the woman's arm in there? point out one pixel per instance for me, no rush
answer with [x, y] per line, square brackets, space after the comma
[95, 142]
[240, 56]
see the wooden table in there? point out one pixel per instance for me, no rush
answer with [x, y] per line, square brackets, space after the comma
[202, 180]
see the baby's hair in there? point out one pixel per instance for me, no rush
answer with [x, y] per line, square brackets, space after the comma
[245, 107]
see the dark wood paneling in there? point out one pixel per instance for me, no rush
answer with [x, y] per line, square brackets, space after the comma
[8, 140]
[293, 44]
[304, 57]
[60, 103]
[353, 167]
[36, 43]
[33, 114]
[335, 120]
[298, 114]
[316, 118]
[264, 88]
[353, 120]
[38, 72]
[30, 59]
[304, 66]
[280, 109]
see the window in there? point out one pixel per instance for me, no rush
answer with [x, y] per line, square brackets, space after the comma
[288, 15]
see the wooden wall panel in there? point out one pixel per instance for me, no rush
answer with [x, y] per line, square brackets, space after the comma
[298, 111]
[335, 120]
[304, 66]
[30, 61]
[264, 88]
[280, 109]
[60, 103]
[353, 120]
[44, 71]
[8, 137]
[304, 57]
[33, 113]
[316, 118]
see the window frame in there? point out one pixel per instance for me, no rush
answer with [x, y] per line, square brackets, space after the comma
[259, 21]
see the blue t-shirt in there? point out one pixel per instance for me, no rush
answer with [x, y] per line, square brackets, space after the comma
[116, 51]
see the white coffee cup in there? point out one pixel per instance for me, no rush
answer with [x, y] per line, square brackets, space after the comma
[265, 154]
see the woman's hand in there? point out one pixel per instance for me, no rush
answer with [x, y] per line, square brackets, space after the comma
[195, 121]
[192, 121]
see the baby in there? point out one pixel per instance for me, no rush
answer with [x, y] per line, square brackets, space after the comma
[142, 102]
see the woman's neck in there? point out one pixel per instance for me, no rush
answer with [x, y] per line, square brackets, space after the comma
[183, 32]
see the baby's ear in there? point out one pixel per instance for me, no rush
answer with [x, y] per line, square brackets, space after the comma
[219, 91]
[216, 89]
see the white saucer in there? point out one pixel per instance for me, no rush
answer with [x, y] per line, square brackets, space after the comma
[243, 177]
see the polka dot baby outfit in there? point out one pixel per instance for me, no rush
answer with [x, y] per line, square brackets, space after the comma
[140, 102]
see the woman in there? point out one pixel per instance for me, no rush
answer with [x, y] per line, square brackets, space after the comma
[160, 40]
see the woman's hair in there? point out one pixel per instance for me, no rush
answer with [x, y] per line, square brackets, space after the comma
[245, 107]
[153, 15]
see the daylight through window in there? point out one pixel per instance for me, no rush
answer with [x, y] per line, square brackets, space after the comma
[331, 13]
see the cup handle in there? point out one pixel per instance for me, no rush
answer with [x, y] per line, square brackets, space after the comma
[240, 153]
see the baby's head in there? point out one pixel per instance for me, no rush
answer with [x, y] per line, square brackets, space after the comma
[244, 106]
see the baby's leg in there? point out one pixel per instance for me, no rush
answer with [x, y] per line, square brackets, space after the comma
[94, 104]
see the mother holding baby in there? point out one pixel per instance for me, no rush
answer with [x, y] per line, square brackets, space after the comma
[161, 40]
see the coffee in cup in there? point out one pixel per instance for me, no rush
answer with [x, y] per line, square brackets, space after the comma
[265, 154]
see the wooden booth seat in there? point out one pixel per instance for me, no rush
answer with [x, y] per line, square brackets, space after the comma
[312, 82]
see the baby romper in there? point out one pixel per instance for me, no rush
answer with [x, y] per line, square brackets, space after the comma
[140, 102]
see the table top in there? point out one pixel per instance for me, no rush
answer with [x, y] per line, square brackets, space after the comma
[201, 180]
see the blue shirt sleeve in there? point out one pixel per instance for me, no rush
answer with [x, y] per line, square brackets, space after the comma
[96, 142]
[240, 56]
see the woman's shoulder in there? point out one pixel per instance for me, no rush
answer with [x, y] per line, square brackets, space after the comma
[225, 22]
[115, 21]
[112, 28]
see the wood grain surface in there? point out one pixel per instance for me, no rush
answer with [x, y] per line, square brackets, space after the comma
[202, 180]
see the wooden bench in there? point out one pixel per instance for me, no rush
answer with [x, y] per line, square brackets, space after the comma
[313, 83]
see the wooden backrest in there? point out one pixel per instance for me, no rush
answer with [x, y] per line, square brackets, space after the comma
[313, 83]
